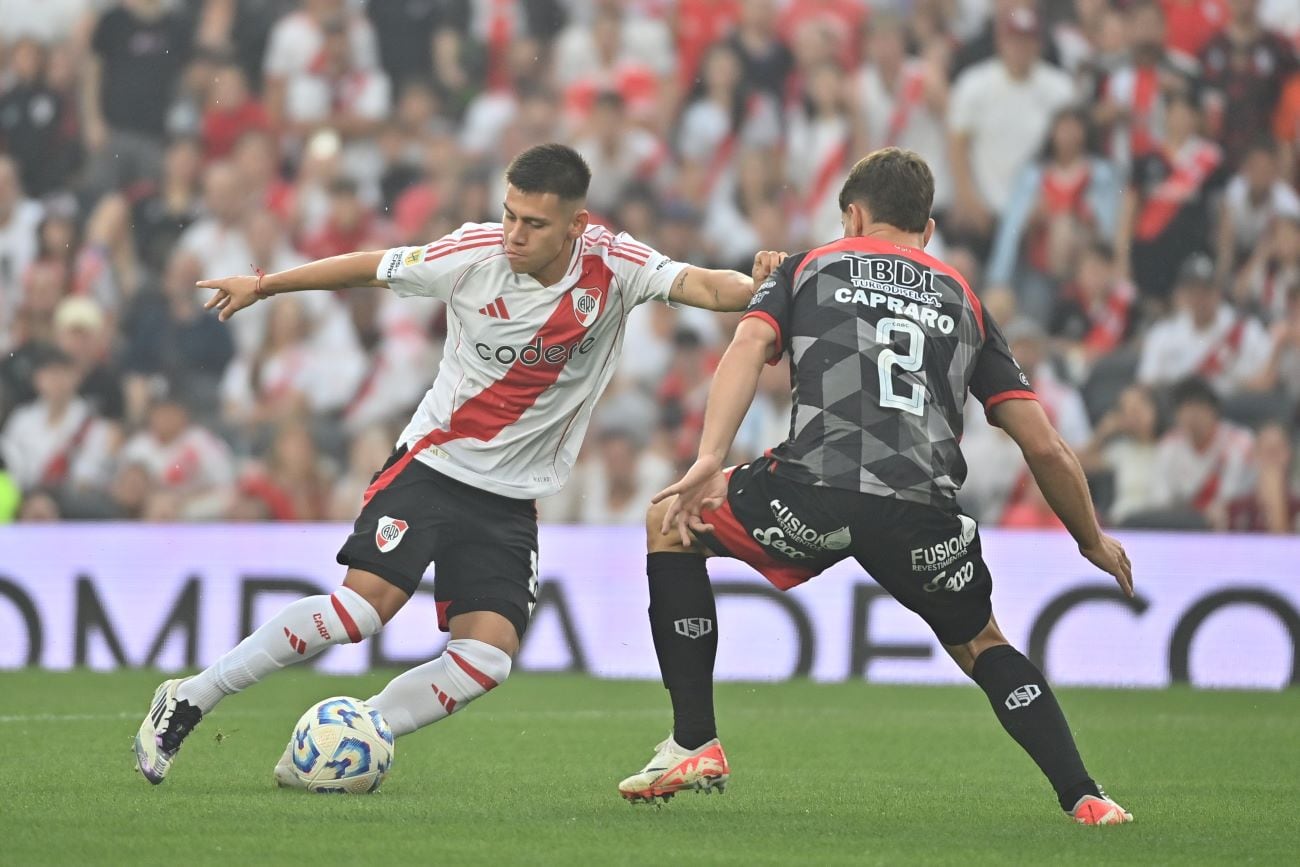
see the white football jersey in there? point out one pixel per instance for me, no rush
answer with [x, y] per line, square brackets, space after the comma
[524, 363]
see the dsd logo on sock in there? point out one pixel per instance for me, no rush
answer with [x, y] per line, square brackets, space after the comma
[693, 627]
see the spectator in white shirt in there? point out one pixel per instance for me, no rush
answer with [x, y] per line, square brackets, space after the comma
[1201, 465]
[367, 453]
[346, 95]
[1124, 445]
[19, 219]
[998, 116]
[723, 116]
[618, 153]
[301, 368]
[902, 98]
[57, 440]
[1253, 201]
[1061, 400]
[218, 238]
[398, 358]
[616, 471]
[1204, 336]
[297, 39]
[613, 39]
[818, 146]
[1272, 274]
[190, 468]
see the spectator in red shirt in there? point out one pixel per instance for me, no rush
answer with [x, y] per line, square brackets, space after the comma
[1093, 314]
[1193, 23]
[700, 23]
[843, 18]
[1286, 126]
[231, 111]
[257, 162]
[349, 225]
[1056, 206]
[292, 485]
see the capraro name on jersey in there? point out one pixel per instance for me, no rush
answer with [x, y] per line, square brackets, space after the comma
[534, 353]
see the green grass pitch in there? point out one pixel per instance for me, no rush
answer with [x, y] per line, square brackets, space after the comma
[822, 774]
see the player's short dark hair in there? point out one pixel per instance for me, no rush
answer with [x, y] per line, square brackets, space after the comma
[1193, 390]
[550, 168]
[895, 185]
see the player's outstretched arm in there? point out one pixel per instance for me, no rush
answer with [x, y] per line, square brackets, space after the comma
[723, 291]
[711, 289]
[1060, 477]
[730, 395]
[233, 294]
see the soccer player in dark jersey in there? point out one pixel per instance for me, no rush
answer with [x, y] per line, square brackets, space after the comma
[884, 343]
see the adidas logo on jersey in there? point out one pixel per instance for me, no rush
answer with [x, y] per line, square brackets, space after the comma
[497, 309]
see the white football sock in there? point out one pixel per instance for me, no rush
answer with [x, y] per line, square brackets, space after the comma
[427, 693]
[299, 632]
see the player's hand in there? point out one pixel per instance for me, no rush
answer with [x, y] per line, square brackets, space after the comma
[232, 294]
[1108, 555]
[703, 487]
[765, 262]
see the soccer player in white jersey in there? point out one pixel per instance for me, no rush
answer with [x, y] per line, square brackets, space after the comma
[536, 306]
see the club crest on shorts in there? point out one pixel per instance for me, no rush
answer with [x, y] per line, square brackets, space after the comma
[586, 305]
[390, 533]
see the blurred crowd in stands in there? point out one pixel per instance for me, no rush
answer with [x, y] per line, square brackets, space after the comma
[1117, 180]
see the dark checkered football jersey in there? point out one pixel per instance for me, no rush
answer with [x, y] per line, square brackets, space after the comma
[884, 343]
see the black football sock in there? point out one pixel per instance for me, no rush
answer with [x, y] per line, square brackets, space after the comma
[1028, 710]
[683, 623]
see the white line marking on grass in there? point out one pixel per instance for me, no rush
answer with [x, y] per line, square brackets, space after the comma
[63, 717]
[89, 717]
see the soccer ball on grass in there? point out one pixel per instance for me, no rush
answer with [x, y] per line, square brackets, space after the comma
[342, 745]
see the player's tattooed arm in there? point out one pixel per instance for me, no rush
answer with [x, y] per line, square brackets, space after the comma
[712, 289]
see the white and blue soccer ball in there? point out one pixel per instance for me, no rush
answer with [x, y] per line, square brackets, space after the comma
[342, 745]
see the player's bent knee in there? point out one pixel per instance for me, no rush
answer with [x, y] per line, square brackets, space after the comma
[382, 595]
[486, 627]
[966, 654]
[658, 541]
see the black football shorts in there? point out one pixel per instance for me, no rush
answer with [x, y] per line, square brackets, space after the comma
[483, 546]
[927, 558]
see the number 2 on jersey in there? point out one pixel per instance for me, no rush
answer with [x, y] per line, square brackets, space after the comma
[911, 362]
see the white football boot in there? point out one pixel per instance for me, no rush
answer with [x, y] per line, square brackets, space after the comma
[674, 769]
[285, 775]
[164, 728]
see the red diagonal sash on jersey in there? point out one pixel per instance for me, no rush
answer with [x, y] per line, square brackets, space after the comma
[1216, 360]
[501, 404]
[1145, 87]
[909, 97]
[827, 172]
[1185, 178]
[56, 468]
[1209, 489]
